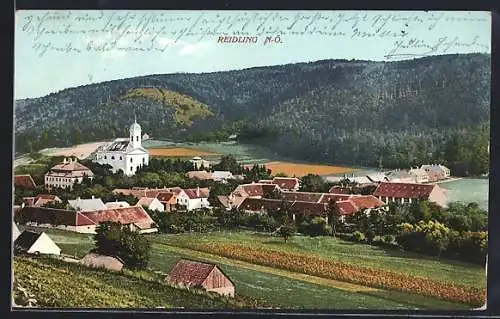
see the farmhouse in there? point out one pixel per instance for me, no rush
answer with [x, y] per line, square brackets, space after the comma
[436, 171]
[40, 200]
[125, 154]
[66, 174]
[116, 204]
[35, 243]
[56, 218]
[168, 200]
[284, 183]
[255, 190]
[221, 176]
[193, 274]
[420, 175]
[135, 217]
[259, 205]
[86, 205]
[409, 192]
[231, 201]
[24, 181]
[100, 261]
[197, 198]
[151, 203]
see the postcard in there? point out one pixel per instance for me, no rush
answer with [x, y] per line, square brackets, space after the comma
[228, 160]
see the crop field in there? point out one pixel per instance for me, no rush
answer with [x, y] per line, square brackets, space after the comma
[299, 170]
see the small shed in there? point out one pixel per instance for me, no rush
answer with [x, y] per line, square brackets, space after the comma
[15, 232]
[207, 276]
[36, 243]
[101, 261]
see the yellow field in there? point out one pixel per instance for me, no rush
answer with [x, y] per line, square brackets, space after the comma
[178, 152]
[299, 170]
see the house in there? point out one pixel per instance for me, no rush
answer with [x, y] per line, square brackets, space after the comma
[116, 204]
[409, 192]
[151, 203]
[194, 274]
[94, 260]
[309, 209]
[24, 181]
[200, 175]
[199, 163]
[437, 171]
[339, 190]
[125, 154]
[168, 200]
[420, 175]
[135, 217]
[287, 183]
[181, 197]
[259, 205]
[400, 176]
[222, 176]
[56, 218]
[41, 200]
[197, 198]
[35, 243]
[301, 196]
[231, 201]
[138, 192]
[87, 204]
[66, 174]
[256, 190]
[15, 232]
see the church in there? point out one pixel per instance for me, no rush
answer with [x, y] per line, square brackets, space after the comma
[126, 154]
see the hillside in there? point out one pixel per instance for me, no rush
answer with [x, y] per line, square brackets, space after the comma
[58, 284]
[340, 111]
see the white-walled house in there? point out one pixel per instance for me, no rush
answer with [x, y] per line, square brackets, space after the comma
[36, 243]
[87, 204]
[125, 154]
[66, 174]
[197, 198]
[151, 203]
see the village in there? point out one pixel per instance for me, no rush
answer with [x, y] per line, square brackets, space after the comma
[282, 198]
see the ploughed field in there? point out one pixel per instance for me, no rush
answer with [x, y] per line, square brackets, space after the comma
[315, 273]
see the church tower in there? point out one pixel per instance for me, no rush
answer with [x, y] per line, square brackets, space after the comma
[135, 134]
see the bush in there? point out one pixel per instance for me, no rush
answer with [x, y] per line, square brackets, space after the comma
[358, 236]
[388, 239]
[370, 235]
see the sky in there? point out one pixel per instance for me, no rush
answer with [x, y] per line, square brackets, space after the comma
[55, 50]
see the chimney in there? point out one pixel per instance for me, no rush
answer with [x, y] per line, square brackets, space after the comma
[92, 196]
[198, 191]
[64, 161]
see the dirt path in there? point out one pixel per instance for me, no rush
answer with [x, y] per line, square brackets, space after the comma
[280, 272]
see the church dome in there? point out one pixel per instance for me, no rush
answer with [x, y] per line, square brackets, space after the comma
[135, 127]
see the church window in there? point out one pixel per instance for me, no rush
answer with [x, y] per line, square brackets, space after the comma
[120, 158]
[131, 168]
[137, 138]
[105, 157]
[131, 161]
[112, 157]
[143, 160]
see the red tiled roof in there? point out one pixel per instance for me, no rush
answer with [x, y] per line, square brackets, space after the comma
[286, 182]
[194, 193]
[124, 215]
[70, 166]
[339, 190]
[403, 190]
[190, 273]
[24, 181]
[308, 208]
[258, 189]
[366, 201]
[44, 215]
[165, 196]
[145, 201]
[301, 196]
[347, 207]
[336, 197]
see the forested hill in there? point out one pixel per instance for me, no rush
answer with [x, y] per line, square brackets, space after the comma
[340, 111]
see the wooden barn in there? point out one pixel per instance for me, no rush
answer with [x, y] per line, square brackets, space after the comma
[194, 274]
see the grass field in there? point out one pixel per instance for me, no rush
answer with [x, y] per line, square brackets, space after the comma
[302, 291]
[178, 152]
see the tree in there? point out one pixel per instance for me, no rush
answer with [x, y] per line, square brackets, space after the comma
[287, 230]
[114, 239]
[312, 183]
[334, 216]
